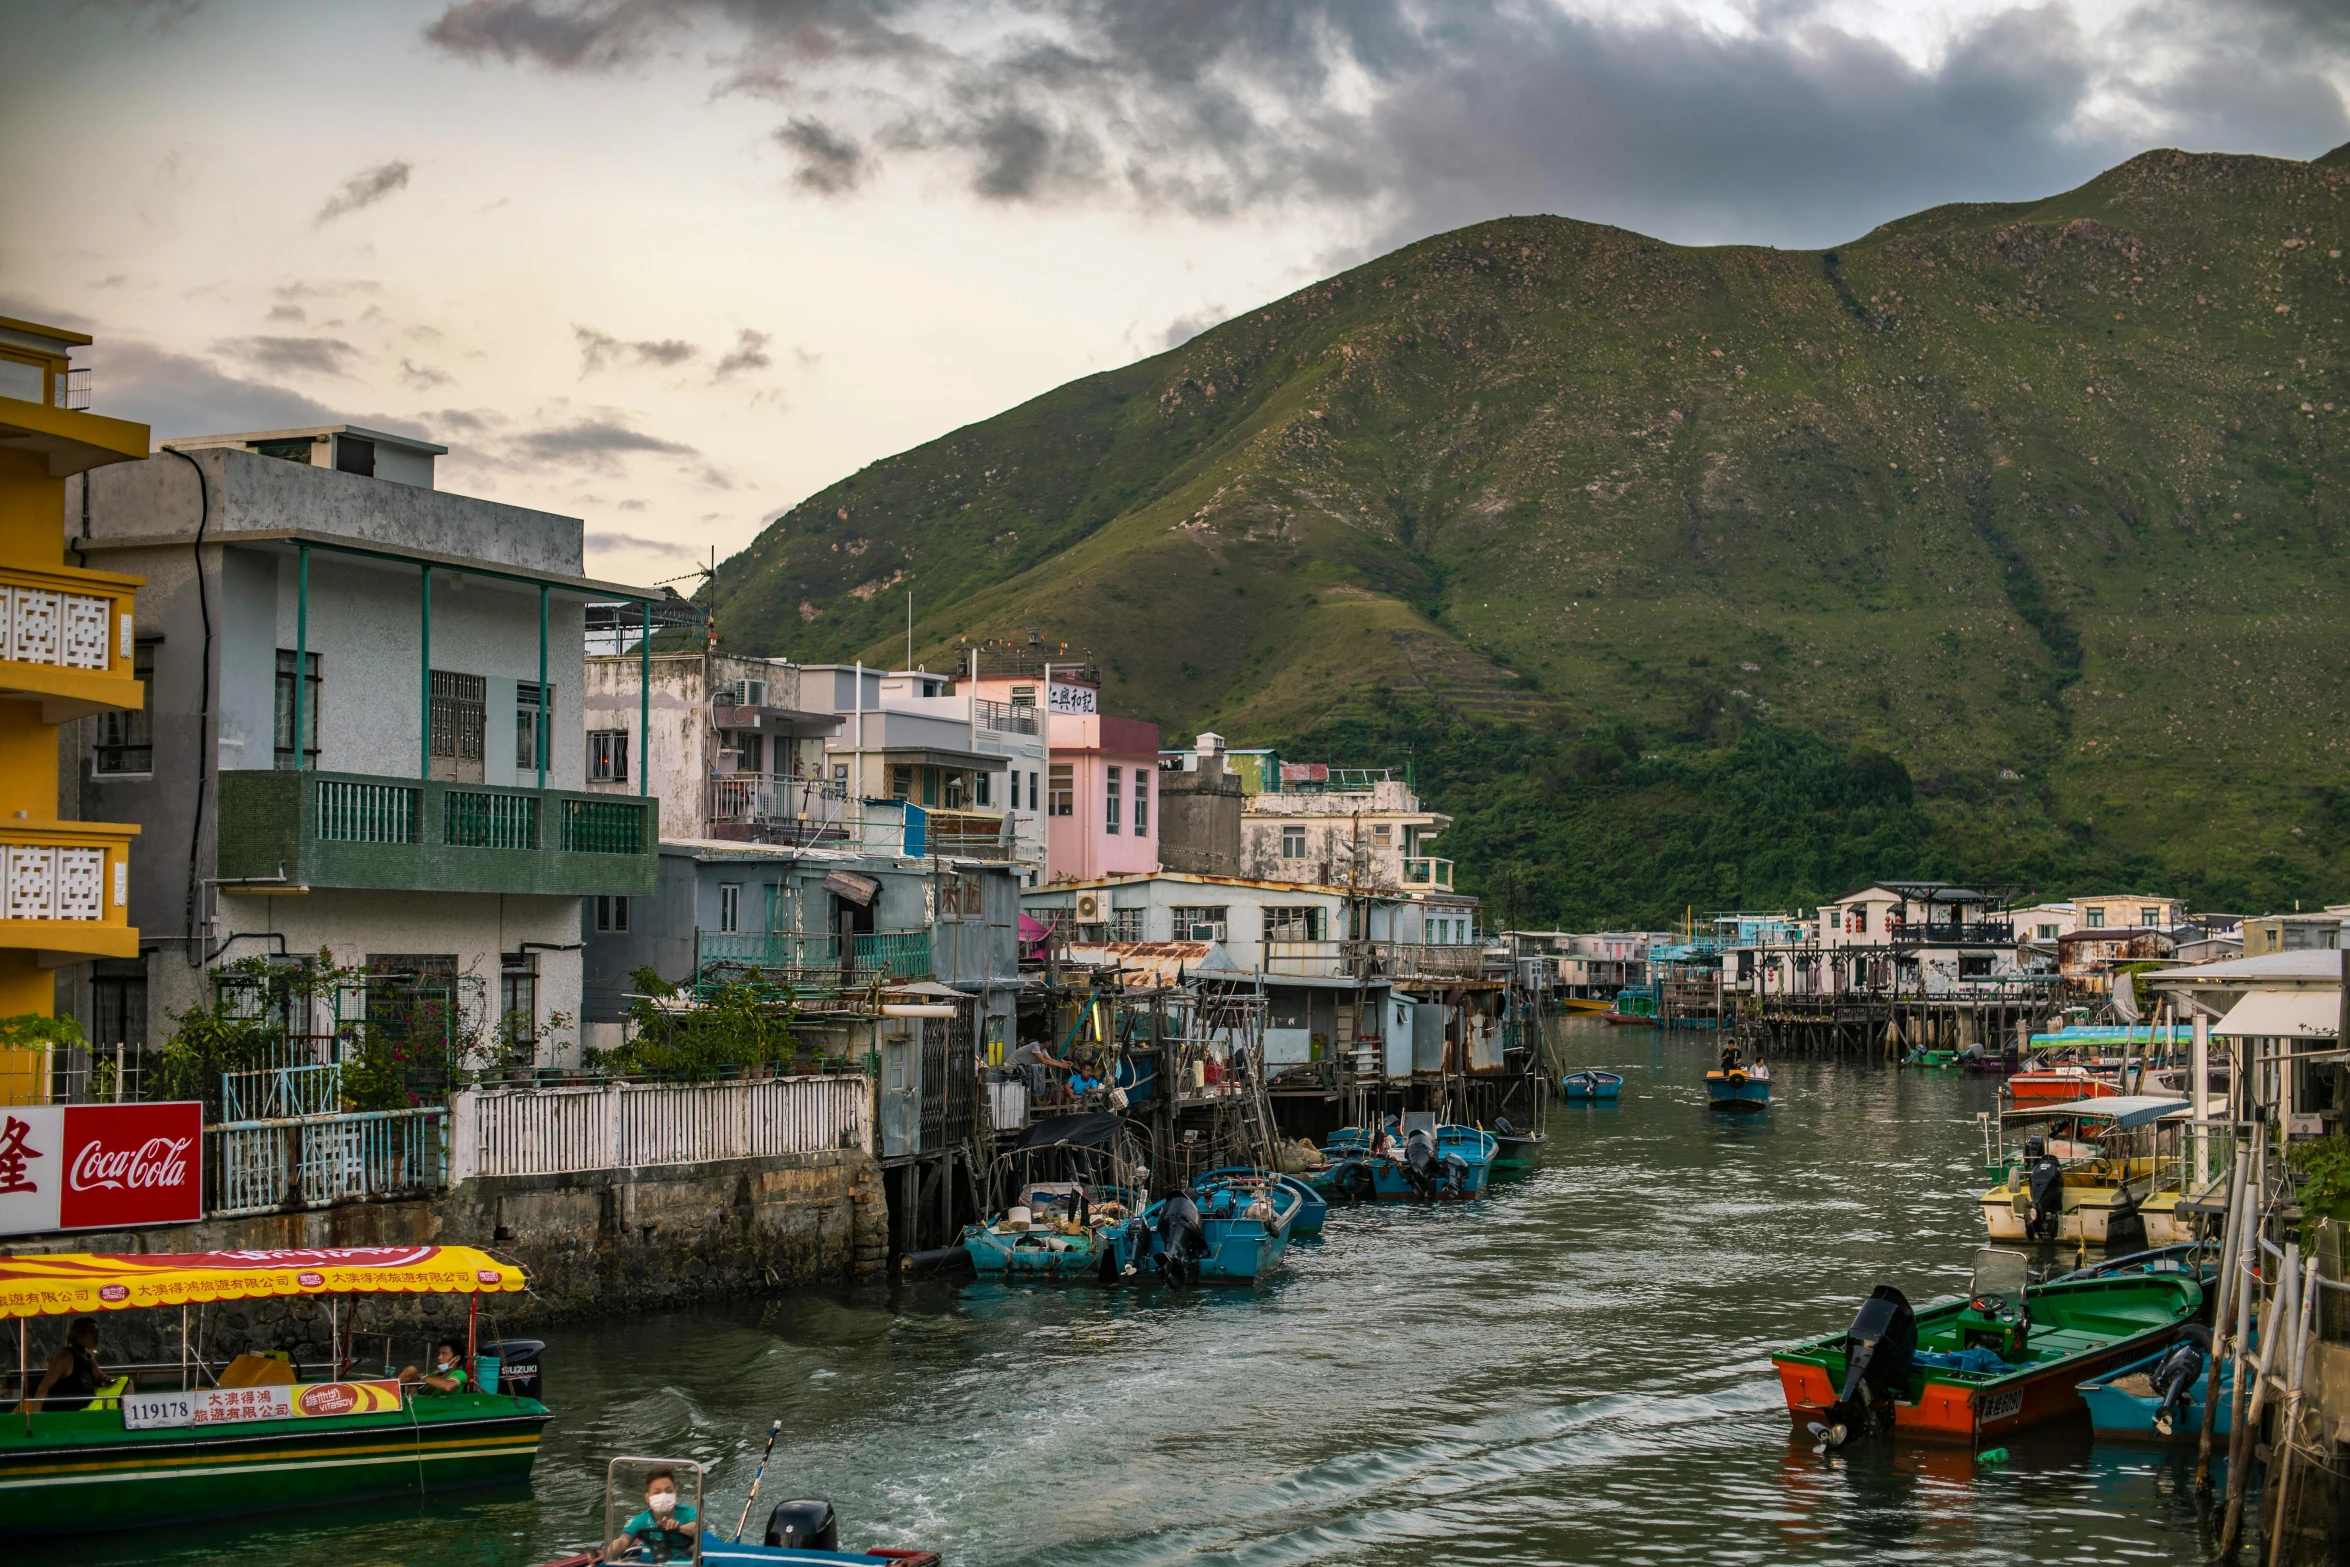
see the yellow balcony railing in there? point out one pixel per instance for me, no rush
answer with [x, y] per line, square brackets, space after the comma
[65, 887]
[65, 637]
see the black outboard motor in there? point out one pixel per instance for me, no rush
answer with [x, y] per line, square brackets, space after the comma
[1877, 1351]
[1419, 1162]
[2176, 1375]
[1355, 1182]
[1456, 1175]
[804, 1526]
[1183, 1240]
[2044, 1179]
[518, 1365]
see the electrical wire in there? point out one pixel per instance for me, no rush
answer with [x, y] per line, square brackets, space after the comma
[203, 709]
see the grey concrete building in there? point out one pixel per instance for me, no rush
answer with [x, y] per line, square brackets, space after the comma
[362, 735]
[1200, 806]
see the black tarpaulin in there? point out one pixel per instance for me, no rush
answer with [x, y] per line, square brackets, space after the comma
[1075, 1131]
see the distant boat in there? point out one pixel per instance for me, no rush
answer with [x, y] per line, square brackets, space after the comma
[1311, 1210]
[1582, 1004]
[1591, 1085]
[1737, 1089]
[1515, 1152]
[1631, 1006]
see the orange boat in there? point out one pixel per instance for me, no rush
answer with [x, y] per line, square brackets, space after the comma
[2005, 1359]
[2055, 1085]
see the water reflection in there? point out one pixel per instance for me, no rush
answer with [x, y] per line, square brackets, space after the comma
[1574, 1369]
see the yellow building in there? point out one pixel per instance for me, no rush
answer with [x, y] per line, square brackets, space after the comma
[65, 652]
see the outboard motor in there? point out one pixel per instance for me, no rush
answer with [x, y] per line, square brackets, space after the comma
[1419, 1162]
[804, 1526]
[1456, 1175]
[2044, 1179]
[1183, 1240]
[1355, 1182]
[1877, 1351]
[2175, 1377]
[518, 1365]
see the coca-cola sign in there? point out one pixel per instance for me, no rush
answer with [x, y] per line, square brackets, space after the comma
[100, 1167]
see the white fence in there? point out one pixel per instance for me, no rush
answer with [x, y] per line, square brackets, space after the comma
[554, 1131]
[289, 1165]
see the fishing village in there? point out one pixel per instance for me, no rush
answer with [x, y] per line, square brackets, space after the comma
[732, 835]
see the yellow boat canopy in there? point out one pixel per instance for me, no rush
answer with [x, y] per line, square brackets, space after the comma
[64, 1283]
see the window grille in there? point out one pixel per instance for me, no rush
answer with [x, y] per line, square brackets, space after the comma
[608, 755]
[126, 741]
[284, 720]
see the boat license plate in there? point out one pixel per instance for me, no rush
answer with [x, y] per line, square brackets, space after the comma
[1992, 1407]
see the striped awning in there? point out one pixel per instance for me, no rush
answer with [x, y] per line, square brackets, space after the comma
[66, 1283]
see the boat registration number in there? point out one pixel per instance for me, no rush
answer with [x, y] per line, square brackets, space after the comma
[215, 1406]
[1998, 1406]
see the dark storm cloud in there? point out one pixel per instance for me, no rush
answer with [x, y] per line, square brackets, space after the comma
[1422, 114]
[365, 189]
[292, 355]
[182, 395]
[596, 439]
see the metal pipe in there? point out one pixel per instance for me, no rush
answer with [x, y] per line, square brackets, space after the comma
[538, 741]
[2239, 1447]
[2223, 1310]
[424, 741]
[301, 650]
[644, 703]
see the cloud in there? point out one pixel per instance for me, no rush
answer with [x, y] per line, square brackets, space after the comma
[1183, 329]
[748, 353]
[607, 540]
[182, 395]
[1412, 115]
[830, 164]
[598, 350]
[596, 442]
[364, 189]
[292, 355]
[422, 377]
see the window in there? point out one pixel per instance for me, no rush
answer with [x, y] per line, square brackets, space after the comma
[1064, 781]
[2150, 917]
[607, 756]
[730, 907]
[961, 896]
[1974, 965]
[118, 1004]
[518, 996]
[1111, 814]
[981, 793]
[2093, 918]
[126, 741]
[901, 781]
[355, 454]
[2045, 932]
[295, 450]
[1200, 923]
[1126, 925]
[611, 915]
[1382, 834]
[1293, 924]
[954, 792]
[285, 712]
[1142, 803]
[1023, 696]
[460, 713]
[1031, 789]
[1860, 920]
[1293, 843]
[530, 724]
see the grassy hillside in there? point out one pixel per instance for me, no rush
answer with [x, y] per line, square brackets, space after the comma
[2044, 501]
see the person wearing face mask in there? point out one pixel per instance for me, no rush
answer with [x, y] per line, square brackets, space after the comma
[446, 1376]
[663, 1532]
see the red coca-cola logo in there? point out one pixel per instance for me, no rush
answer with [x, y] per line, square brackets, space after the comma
[132, 1165]
[329, 1398]
[310, 1281]
[111, 1293]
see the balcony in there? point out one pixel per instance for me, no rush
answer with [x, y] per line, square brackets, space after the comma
[1987, 933]
[804, 956]
[405, 834]
[814, 808]
[65, 638]
[1405, 960]
[1422, 871]
[1004, 717]
[970, 835]
[67, 887]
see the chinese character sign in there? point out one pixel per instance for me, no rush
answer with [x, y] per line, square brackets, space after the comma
[1069, 699]
[94, 1167]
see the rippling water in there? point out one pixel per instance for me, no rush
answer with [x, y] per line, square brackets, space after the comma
[1572, 1370]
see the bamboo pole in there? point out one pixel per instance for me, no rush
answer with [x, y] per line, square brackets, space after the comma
[2289, 1421]
[2274, 1324]
[2230, 1286]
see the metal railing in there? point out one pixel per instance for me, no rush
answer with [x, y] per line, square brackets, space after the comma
[478, 819]
[603, 826]
[280, 1093]
[967, 835]
[556, 1131]
[366, 812]
[1374, 959]
[1986, 933]
[1004, 718]
[776, 797]
[285, 1166]
[784, 953]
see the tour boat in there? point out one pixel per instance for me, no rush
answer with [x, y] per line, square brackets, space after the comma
[2096, 1167]
[1631, 1006]
[1591, 1085]
[1232, 1227]
[797, 1530]
[1429, 1164]
[213, 1445]
[2059, 1084]
[2008, 1357]
[1739, 1089]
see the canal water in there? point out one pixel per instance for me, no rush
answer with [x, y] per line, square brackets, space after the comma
[1572, 1370]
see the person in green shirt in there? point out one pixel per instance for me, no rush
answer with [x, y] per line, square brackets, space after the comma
[663, 1532]
[447, 1374]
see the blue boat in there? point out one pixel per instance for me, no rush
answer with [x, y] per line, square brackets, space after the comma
[1058, 1229]
[1591, 1085]
[1223, 1227]
[1738, 1090]
[691, 1527]
[1311, 1209]
[2159, 1398]
[1441, 1164]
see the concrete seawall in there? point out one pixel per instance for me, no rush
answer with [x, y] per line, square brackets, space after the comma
[595, 1243]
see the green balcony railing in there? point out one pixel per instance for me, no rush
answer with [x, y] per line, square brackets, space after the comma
[897, 954]
[479, 820]
[604, 826]
[889, 955]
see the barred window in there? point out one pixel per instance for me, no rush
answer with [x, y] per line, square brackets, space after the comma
[126, 741]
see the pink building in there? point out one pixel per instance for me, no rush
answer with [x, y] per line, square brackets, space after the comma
[1101, 778]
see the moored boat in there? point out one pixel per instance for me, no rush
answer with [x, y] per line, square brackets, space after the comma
[1515, 1153]
[2004, 1359]
[1057, 1229]
[2160, 1397]
[1229, 1227]
[1591, 1084]
[1631, 1006]
[197, 1449]
[1312, 1209]
[1443, 1163]
[2085, 1174]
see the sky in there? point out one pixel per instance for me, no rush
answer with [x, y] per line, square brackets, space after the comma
[670, 266]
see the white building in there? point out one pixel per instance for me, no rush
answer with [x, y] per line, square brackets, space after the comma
[1342, 827]
[734, 754]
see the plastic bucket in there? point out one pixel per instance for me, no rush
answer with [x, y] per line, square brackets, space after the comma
[485, 1372]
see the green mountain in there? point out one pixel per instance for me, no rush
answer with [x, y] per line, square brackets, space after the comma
[2042, 501]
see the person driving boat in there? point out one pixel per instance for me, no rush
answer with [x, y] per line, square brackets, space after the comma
[664, 1531]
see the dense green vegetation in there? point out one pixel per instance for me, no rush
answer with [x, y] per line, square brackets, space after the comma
[2043, 500]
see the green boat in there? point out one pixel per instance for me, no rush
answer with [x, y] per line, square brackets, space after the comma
[2008, 1357]
[188, 1444]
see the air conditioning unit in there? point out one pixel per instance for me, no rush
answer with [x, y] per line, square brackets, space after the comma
[1089, 907]
[751, 693]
